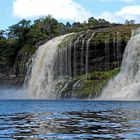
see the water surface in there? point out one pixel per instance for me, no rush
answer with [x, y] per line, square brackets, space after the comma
[67, 119]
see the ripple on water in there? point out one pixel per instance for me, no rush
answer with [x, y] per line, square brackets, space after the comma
[67, 120]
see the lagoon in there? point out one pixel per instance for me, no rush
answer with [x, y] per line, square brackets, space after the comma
[69, 119]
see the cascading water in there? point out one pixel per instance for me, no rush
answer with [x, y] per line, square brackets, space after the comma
[82, 55]
[59, 64]
[42, 79]
[107, 53]
[126, 85]
[87, 52]
[118, 50]
[56, 63]
[75, 62]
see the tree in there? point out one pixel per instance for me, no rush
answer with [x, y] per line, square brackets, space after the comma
[130, 22]
[92, 21]
[103, 22]
[68, 25]
[19, 30]
[61, 28]
[2, 32]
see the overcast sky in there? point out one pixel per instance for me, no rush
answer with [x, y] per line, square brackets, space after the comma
[12, 11]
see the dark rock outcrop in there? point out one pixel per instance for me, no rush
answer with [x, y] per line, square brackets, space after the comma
[86, 54]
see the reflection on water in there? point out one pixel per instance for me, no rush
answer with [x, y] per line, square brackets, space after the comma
[69, 120]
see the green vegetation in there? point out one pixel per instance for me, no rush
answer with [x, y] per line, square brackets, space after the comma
[92, 83]
[88, 85]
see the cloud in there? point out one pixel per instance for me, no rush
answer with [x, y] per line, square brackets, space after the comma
[109, 16]
[59, 9]
[125, 13]
[71, 10]
[128, 1]
[107, 0]
[125, 1]
[129, 10]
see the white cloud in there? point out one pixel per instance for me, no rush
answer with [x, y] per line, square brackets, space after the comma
[59, 9]
[129, 10]
[126, 1]
[71, 10]
[126, 13]
[112, 17]
[107, 0]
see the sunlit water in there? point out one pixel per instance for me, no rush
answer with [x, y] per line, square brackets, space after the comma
[65, 120]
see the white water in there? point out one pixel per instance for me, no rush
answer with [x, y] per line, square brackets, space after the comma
[107, 54]
[41, 83]
[126, 85]
[75, 62]
[87, 52]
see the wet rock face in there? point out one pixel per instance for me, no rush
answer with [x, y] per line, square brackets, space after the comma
[22, 60]
[87, 51]
[93, 50]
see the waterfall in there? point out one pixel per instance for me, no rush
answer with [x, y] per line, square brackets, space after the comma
[87, 52]
[114, 51]
[74, 57]
[126, 85]
[107, 54]
[43, 77]
[118, 50]
[82, 55]
[56, 63]
[56, 68]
